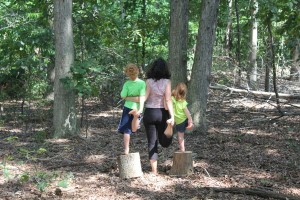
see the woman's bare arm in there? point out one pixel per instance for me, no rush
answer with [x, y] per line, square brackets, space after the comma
[169, 102]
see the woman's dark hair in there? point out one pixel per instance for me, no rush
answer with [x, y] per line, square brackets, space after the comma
[158, 69]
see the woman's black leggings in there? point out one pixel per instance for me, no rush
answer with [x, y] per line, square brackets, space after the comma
[155, 122]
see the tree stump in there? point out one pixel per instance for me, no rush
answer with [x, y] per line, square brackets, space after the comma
[182, 164]
[130, 166]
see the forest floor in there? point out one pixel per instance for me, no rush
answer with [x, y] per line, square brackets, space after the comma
[247, 153]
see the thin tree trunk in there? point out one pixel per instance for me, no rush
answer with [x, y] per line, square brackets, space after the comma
[202, 63]
[267, 65]
[64, 112]
[50, 79]
[271, 42]
[295, 66]
[228, 29]
[144, 34]
[178, 40]
[252, 72]
[238, 48]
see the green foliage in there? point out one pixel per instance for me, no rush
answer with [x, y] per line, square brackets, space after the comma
[65, 181]
[11, 138]
[6, 173]
[89, 77]
[109, 34]
[42, 180]
[40, 136]
[24, 177]
[31, 154]
[25, 44]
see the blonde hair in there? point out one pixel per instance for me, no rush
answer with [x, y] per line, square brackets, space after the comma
[179, 92]
[132, 71]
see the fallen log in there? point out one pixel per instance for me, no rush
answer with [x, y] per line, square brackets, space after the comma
[269, 95]
[256, 192]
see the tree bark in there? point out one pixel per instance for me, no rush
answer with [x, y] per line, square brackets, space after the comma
[130, 166]
[227, 38]
[64, 112]
[271, 42]
[268, 95]
[178, 39]
[238, 48]
[144, 34]
[202, 64]
[182, 164]
[252, 72]
[267, 70]
[295, 69]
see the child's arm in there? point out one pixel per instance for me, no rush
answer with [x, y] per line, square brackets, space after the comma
[133, 99]
[188, 115]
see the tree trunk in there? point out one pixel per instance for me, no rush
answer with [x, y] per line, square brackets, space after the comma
[252, 77]
[144, 34]
[178, 40]
[64, 121]
[50, 78]
[238, 48]
[271, 42]
[202, 63]
[295, 66]
[267, 66]
[227, 38]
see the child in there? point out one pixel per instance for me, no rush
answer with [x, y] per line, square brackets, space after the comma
[134, 87]
[182, 115]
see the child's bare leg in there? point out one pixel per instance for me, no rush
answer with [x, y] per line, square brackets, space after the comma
[135, 121]
[181, 141]
[135, 124]
[126, 143]
[153, 164]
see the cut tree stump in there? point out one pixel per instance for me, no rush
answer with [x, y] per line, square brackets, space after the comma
[130, 166]
[182, 164]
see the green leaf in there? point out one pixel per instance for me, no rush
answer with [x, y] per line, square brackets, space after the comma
[41, 150]
[24, 178]
[11, 138]
[63, 183]
[6, 173]
[42, 185]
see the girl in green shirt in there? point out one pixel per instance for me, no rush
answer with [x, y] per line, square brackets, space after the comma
[182, 115]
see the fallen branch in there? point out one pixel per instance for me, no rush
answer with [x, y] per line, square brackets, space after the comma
[269, 95]
[256, 192]
[64, 165]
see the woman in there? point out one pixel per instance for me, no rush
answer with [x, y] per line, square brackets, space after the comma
[156, 116]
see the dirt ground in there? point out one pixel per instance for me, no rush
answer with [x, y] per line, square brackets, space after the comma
[246, 154]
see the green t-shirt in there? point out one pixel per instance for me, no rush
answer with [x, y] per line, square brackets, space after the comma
[178, 107]
[131, 89]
